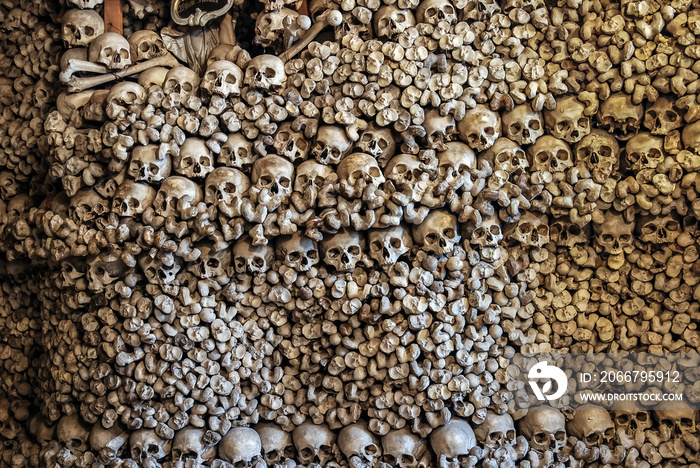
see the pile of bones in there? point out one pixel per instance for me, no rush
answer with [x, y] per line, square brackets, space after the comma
[324, 246]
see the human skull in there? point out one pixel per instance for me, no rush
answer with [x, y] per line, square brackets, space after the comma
[87, 205]
[480, 127]
[506, 155]
[663, 117]
[438, 233]
[241, 446]
[153, 76]
[351, 25]
[269, 28]
[691, 137]
[378, 142]
[567, 234]
[658, 230]
[104, 269]
[390, 21]
[73, 434]
[277, 445]
[644, 151]
[189, 447]
[676, 419]
[108, 444]
[436, 11]
[331, 145]
[404, 170]
[356, 172]
[177, 197]
[146, 444]
[223, 78]
[387, 245]
[314, 443]
[621, 116]
[249, 258]
[496, 431]
[9, 187]
[194, 159]
[211, 263]
[359, 446]
[237, 152]
[42, 431]
[145, 45]
[488, 234]
[614, 235]
[297, 251]
[311, 174]
[544, 428]
[110, 49]
[80, 27]
[265, 73]
[19, 206]
[452, 443]
[290, 144]
[523, 125]
[531, 230]
[454, 164]
[439, 129]
[566, 121]
[632, 419]
[598, 151]
[132, 198]
[225, 187]
[159, 269]
[343, 250]
[550, 154]
[592, 425]
[403, 449]
[182, 82]
[274, 174]
[122, 96]
[147, 165]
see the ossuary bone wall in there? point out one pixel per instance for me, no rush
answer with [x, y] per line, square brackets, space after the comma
[341, 245]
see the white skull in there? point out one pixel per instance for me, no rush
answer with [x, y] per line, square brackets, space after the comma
[331, 145]
[550, 154]
[567, 121]
[159, 269]
[452, 443]
[297, 251]
[403, 449]
[496, 431]
[343, 250]
[153, 76]
[663, 117]
[265, 73]
[658, 229]
[277, 445]
[223, 78]
[404, 170]
[132, 198]
[436, 11]
[177, 196]
[644, 151]
[225, 187]
[567, 234]
[378, 142]
[523, 125]
[314, 443]
[269, 28]
[122, 96]
[632, 419]
[544, 428]
[146, 444]
[359, 445]
[249, 258]
[390, 21]
[195, 159]
[439, 129]
[310, 173]
[182, 82]
[480, 127]
[87, 205]
[506, 155]
[531, 230]
[676, 419]
[211, 263]
[614, 235]
[598, 151]
[488, 234]
[387, 245]
[592, 425]
[110, 49]
[147, 165]
[621, 116]
[454, 164]
[73, 434]
[108, 444]
[80, 27]
[438, 233]
[240, 446]
[274, 174]
[290, 144]
[356, 172]
[189, 447]
[104, 269]
[237, 152]
[146, 45]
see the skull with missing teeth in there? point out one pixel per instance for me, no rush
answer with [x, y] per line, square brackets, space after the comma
[356, 172]
[298, 252]
[275, 175]
[265, 73]
[343, 250]
[390, 21]
[438, 233]
[387, 245]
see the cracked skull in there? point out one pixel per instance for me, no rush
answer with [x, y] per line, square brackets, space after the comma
[658, 229]
[644, 151]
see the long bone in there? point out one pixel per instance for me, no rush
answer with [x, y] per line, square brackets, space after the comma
[328, 18]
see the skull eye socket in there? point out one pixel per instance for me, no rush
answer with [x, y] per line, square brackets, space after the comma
[354, 250]
[583, 122]
[400, 18]
[89, 31]
[431, 238]
[312, 254]
[395, 243]
[671, 116]
[449, 233]
[270, 73]
[371, 449]
[107, 51]
[294, 256]
[625, 238]
[534, 124]
[642, 417]
[333, 253]
[285, 182]
[686, 422]
[153, 449]
[76, 443]
[230, 79]
[592, 439]
[229, 187]
[673, 226]
[376, 246]
[541, 438]
[542, 157]
[607, 238]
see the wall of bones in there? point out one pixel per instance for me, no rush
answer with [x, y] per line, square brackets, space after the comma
[324, 248]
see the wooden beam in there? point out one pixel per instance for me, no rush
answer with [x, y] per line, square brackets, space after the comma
[114, 21]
